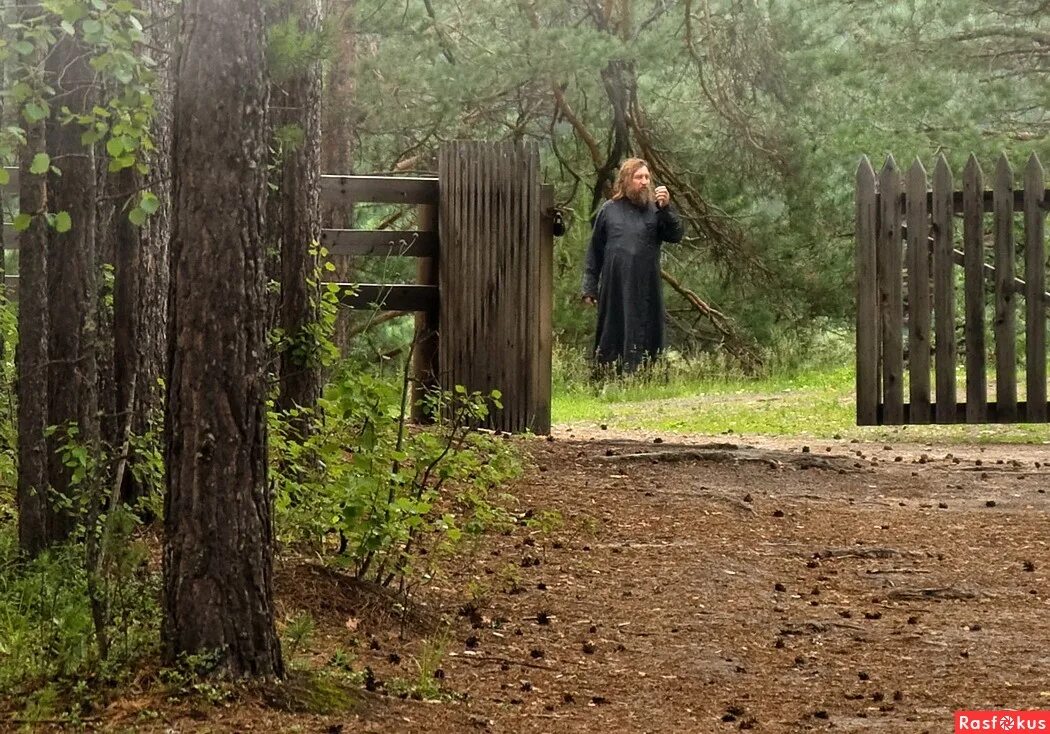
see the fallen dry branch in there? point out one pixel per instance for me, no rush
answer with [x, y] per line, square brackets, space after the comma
[731, 341]
[896, 570]
[859, 553]
[376, 320]
[938, 593]
[737, 455]
[688, 455]
[1010, 469]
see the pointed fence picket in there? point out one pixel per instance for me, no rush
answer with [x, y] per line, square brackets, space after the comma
[905, 232]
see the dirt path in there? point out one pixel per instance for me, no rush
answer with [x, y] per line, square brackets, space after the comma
[693, 596]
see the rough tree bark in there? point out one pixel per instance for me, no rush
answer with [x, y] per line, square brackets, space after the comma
[218, 552]
[36, 514]
[140, 298]
[337, 149]
[71, 268]
[300, 184]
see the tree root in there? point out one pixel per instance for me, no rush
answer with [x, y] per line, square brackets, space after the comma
[735, 454]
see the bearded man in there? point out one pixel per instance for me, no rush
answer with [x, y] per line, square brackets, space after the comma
[622, 272]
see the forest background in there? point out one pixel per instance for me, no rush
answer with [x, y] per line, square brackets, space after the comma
[754, 114]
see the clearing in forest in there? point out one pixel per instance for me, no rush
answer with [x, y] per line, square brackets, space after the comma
[661, 584]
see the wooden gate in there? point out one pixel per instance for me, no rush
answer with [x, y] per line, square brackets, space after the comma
[496, 276]
[906, 233]
[484, 293]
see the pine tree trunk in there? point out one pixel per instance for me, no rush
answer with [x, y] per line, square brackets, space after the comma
[106, 215]
[218, 550]
[71, 271]
[300, 224]
[36, 514]
[337, 149]
[140, 299]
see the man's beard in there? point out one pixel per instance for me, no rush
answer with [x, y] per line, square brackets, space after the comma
[640, 197]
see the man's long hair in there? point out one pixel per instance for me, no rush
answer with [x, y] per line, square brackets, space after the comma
[623, 179]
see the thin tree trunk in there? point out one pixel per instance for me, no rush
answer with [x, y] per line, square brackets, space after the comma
[300, 225]
[218, 552]
[128, 243]
[105, 249]
[337, 149]
[140, 299]
[71, 270]
[36, 512]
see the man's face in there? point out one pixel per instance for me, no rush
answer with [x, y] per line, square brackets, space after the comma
[638, 191]
[640, 182]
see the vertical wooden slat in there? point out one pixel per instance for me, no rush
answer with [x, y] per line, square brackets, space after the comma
[513, 279]
[427, 327]
[1035, 285]
[973, 258]
[890, 296]
[502, 343]
[512, 273]
[501, 295]
[447, 251]
[867, 297]
[461, 326]
[1005, 316]
[448, 265]
[918, 295]
[477, 278]
[526, 314]
[545, 307]
[944, 290]
[532, 284]
[488, 247]
[495, 311]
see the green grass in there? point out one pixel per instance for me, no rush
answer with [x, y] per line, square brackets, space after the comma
[817, 403]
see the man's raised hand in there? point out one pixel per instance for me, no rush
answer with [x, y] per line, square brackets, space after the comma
[663, 196]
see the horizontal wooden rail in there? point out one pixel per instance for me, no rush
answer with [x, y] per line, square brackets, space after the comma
[987, 196]
[371, 189]
[407, 297]
[959, 258]
[412, 243]
[389, 297]
[380, 189]
[959, 413]
[364, 189]
[409, 243]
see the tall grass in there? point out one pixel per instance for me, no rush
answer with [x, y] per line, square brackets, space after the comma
[804, 390]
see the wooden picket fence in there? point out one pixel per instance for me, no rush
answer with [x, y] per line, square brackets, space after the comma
[483, 295]
[907, 229]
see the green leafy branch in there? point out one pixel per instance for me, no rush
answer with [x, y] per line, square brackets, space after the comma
[111, 35]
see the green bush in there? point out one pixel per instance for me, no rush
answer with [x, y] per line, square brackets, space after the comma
[369, 490]
[47, 632]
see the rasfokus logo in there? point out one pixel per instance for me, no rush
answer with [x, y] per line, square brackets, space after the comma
[1002, 721]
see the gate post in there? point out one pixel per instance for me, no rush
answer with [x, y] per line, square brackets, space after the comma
[425, 363]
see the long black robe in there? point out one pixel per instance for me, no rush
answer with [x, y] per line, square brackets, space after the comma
[623, 271]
